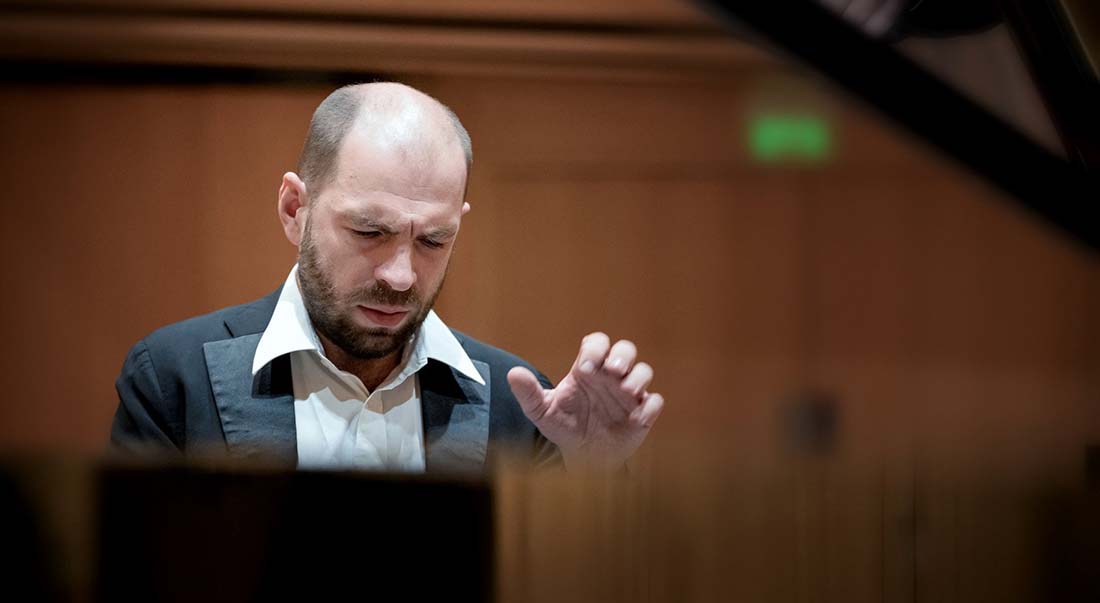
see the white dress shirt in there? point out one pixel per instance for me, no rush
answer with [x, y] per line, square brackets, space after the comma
[339, 423]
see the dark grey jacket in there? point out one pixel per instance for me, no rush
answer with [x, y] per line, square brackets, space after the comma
[188, 388]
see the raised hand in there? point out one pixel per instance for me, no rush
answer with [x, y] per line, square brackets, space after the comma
[600, 413]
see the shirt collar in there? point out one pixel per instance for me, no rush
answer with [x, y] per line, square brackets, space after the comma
[290, 330]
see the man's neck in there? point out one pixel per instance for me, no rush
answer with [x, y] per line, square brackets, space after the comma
[372, 372]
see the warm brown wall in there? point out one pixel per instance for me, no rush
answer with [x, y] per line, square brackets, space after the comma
[128, 207]
[141, 205]
[625, 207]
[957, 335]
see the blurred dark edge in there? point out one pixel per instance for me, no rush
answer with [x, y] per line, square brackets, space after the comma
[185, 533]
[29, 562]
[947, 18]
[81, 530]
[1060, 68]
[1051, 188]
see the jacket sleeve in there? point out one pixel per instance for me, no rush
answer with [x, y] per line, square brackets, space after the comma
[143, 422]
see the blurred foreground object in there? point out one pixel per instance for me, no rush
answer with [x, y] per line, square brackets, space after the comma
[897, 18]
[1057, 38]
[187, 533]
[78, 531]
[181, 534]
[1059, 191]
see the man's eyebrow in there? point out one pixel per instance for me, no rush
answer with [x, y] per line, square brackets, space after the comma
[368, 223]
[441, 232]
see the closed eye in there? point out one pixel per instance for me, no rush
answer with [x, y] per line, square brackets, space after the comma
[432, 243]
[367, 234]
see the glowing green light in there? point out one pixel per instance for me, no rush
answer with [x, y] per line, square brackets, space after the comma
[790, 138]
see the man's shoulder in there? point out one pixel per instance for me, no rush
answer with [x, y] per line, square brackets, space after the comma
[492, 355]
[509, 426]
[233, 321]
[479, 350]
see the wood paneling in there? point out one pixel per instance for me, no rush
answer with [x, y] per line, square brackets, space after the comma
[956, 335]
[662, 13]
[130, 208]
[364, 38]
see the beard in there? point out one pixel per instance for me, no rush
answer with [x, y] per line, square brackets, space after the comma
[331, 312]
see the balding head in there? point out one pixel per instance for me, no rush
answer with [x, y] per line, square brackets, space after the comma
[392, 117]
[375, 210]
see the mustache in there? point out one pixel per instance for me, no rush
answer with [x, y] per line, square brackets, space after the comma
[382, 294]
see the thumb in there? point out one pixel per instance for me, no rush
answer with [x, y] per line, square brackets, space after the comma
[529, 392]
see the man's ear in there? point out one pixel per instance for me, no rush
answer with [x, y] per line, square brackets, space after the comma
[292, 207]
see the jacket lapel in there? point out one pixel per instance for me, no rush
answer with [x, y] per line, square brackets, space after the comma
[257, 414]
[456, 418]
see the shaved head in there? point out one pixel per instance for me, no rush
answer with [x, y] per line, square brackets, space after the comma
[391, 117]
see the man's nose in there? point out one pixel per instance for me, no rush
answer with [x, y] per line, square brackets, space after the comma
[397, 270]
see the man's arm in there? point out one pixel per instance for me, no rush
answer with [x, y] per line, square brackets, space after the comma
[143, 420]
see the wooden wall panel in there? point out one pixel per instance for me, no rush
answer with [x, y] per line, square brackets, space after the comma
[633, 210]
[617, 12]
[130, 208]
[956, 336]
[553, 40]
[886, 278]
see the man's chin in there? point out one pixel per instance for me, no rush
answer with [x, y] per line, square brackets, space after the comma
[373, 346]
[361, 337]
[378, 342]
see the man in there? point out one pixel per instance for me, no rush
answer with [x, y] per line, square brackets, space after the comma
[346, 365]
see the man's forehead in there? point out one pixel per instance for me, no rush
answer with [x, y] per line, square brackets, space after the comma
[384, 208]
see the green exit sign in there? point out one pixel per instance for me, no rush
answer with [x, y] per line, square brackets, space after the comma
[790, 139]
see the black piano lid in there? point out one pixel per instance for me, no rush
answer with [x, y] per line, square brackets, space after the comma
[1054, 189]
